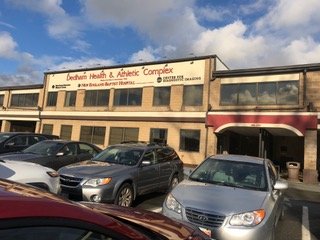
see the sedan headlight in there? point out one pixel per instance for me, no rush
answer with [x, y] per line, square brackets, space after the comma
[97, 182]
[248, 219]
[53, 174]
[173, 204]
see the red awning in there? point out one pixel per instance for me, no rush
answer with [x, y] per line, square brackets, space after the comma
[296, 122]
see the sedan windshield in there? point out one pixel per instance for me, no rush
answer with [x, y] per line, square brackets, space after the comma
[231, 173]
[119, 155]
[44, 148]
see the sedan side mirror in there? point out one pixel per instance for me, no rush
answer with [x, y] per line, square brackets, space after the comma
[59, 154]
[146, 163]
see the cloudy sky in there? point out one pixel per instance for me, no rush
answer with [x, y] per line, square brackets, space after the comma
[48, 35]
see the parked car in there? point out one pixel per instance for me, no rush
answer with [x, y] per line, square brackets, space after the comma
[28, 213]
[121, 172]
[31, 173]
[230, 197]
[54, 153]
[17, 141]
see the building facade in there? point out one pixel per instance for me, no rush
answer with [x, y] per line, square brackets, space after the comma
[196, 105]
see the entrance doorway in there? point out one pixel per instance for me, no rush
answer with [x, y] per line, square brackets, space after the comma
[278, 145]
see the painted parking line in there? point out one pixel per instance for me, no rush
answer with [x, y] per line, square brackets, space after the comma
[305, 224]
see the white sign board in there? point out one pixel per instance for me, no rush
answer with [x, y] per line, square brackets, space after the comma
[185, 73]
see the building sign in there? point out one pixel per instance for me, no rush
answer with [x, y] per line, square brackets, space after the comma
[186, 73]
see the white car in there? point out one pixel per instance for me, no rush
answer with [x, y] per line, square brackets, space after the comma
[31, 173]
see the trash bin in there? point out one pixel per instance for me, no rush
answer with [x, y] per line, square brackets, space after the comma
[293, 170]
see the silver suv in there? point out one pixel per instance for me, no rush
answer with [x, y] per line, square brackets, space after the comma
[122, 172]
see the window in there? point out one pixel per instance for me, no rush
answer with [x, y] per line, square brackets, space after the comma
[96, 98]
[1, 100]
[47, 128]
[128, 97]
[70, 100]
[267, 93]
[192, 95]
[288, 92]
[52, 99]
[264, 93]
[158, 135]
[65, 132]
[24, 100]
[18, 141]
[229, 94]
[190, 140]
[161, 96]
[118, 135]
[247, 94]
[93, 135]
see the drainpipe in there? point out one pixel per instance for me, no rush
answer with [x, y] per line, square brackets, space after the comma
[304, 87]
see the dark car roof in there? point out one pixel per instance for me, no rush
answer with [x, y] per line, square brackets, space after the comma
[139, 145]
[30, 133]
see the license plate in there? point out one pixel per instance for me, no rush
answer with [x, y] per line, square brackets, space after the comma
[207, 231]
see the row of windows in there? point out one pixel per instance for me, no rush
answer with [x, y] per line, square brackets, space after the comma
[192, 96]
[189, 139]
[266, 93]
[262, 93]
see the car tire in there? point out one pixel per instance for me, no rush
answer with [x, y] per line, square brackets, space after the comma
[174, 182]
[124, 196]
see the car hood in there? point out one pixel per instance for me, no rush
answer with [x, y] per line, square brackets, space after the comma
[216, 198]
[171, 229]
[19, 156]
[96, 168]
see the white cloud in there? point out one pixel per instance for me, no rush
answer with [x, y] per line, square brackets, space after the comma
[7, 46]
[144, 55]
[164, 22]
[302, 50]
[231, 44]
[59, 24]
[293, 17]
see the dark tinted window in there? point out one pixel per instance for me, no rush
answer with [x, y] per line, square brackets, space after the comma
[96, 98]
[118, 135]
[52, 99]
[158, 135]
[128, 97]
[65, 132]
[70, 100]
[47, 128]
[18, 141]
[192, 95]
[190, 140]
[161, 96]
[24, 100]
[93, 135]
[166, 154]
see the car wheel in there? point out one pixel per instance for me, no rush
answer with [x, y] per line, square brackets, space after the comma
[174, 182]
[124, 196]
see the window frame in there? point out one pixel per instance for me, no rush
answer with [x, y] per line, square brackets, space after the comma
[186, 95]
[123, 97]
[70, 99]
[184, 146]
[52, 99]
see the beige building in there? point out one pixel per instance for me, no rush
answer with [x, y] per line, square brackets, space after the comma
[195, 105]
